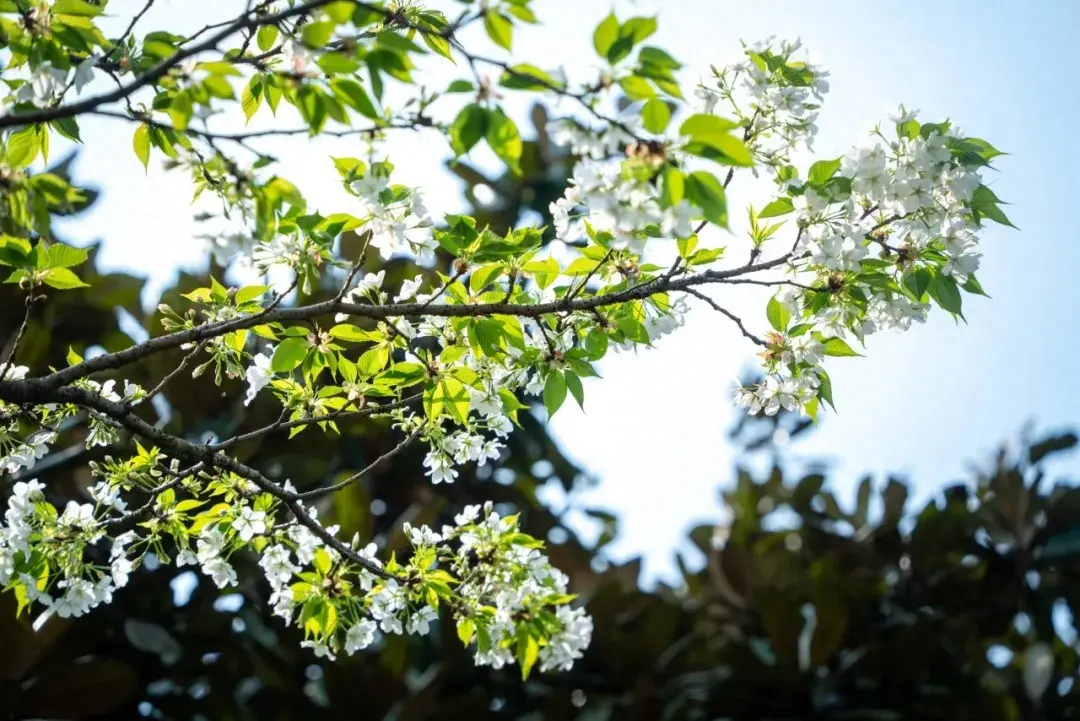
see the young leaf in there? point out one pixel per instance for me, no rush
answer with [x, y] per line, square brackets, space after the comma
[780, 206]
[838, 347]
[23, 147]
[503, 137]
[573, 382]
[554, 391]
[266, 36]
[605, 35]
[63, 279]
[656, 115]
[289, 354]
[65, 256]
[251, 97]
[470, 125]
[822, 170]
[778, 314]
[498, 28]
[141, 141]
[706, 192]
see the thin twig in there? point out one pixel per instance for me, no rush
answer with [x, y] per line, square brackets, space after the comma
[282, 424]
[18, 337]
[734, 318]
[315, 493]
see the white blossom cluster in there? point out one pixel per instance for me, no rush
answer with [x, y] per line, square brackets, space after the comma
[494, 578]
[519, 582]
[394, 215]
[611, 199]
[43, 550]
[909, 212]
[777, 94]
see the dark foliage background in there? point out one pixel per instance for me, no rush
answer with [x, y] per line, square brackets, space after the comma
[906, 602]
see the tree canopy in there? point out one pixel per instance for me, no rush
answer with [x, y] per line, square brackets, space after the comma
[374, 334]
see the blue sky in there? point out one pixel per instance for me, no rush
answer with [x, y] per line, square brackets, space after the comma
[923, 403]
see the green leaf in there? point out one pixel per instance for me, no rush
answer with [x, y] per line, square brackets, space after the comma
[483, 275]
[722, 148]
[605, 35]
[23, 147]
[706, 192]
[65, 256]
[526, 77]
[943, 289]
[504, 138]
[673, 187]
[705, 124]
[573, 382]
[251, 97]
[337, 63]
[461, 86]
[917, 281]
[470, 125]
[780, 206]
[316, 35]
[838, 347]
[709, 138]
[973, 286]
[249, 292]
[68, 128]
[825, 389]
[498, 28]
[352, 93]
[141, 141]
[73, 358]
[448, 396]
[778, 314]
[266, 36]
[79, 8]
[528, 651]
[638, 29]
[353, 334]
[465, 629]
[554, 391]
[658, 58]
[637, 87]
[822, 170]
[985, 204]
[656, 115]
[372, 361]
[289, 354]
[63, 279]
[439, 44]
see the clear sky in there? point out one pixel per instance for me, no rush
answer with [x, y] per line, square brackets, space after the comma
[923, 403]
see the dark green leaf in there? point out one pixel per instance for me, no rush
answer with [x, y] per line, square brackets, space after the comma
[468, 128]
[706, 192]
[554, 391]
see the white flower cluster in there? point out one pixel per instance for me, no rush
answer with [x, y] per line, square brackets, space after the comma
[519, 582]
[395, 216]
[779, 95]
[910, 199]
[613, 201]
[74, 585]
[47, 83]
[586, 143]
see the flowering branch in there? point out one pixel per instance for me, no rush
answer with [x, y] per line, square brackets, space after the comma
[448, 362]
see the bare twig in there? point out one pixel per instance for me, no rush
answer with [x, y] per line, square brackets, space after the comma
[18, 337]
[315, 493]
[731, 316]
